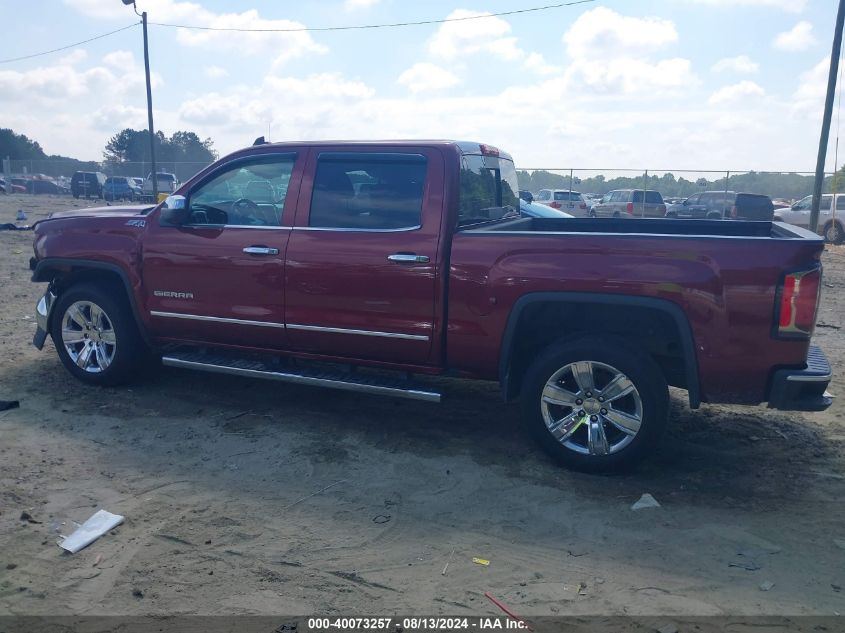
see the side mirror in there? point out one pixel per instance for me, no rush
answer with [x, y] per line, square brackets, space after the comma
[174, 211]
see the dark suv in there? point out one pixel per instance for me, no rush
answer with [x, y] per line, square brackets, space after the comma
[88, 184]
[718, 205]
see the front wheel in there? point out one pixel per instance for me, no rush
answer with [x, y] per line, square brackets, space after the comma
[595, 404]
[96, 336]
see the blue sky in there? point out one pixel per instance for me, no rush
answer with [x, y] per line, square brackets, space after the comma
[657, 84]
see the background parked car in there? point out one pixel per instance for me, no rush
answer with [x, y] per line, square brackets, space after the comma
[121, 188]
[831, 221]
[165, 183]
[88, 184]
[571, 201]
[42, 185]
[630, 203]
[752, 206]
[711, 205]
[535, 210]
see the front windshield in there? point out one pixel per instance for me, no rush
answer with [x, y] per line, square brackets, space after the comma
[488, 189]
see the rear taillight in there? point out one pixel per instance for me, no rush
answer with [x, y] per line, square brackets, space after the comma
[799, 299]
[734, 212]
[555, 205]
[583, 205]
[661, 209]
[630, 208]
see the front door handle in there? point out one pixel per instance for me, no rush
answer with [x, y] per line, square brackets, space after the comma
[261, 250]
[408, 258]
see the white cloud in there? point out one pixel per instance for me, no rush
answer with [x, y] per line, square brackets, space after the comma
[425, 77]
[76, 56]
[790, 6]
[603, 32]
[808, 98]
[740, 64]
[454, 40]
[611, 55]
[352, 5]
[536, 63]
[736, 92]
[799, 38]
[119, 59]
[295, 43]
[215, 72]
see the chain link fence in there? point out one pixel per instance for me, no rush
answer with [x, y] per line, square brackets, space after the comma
[788, 186]
[60, 169]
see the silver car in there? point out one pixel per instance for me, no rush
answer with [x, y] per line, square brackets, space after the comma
[831, 220]
[630, 203]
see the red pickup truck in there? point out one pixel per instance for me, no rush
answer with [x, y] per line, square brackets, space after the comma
[356, 265]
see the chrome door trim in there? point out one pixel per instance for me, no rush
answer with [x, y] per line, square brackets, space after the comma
[199, 317]
[356, 230]
[340, 330]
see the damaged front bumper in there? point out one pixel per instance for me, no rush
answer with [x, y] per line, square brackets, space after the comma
[43, 312]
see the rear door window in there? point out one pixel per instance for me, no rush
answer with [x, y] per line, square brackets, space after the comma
[653, 197]
[374, 192]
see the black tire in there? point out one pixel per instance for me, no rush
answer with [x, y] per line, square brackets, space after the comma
[714, 215]
[616, 214]
[129, 353]
[833, 232]
[592, 213]
[672, 215]
[636, 365]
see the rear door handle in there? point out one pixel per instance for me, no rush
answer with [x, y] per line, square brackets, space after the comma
[408, 258]
[261, 250]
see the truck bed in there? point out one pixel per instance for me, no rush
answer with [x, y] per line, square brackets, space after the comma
[649, 227]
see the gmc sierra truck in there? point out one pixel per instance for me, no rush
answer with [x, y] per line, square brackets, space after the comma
[357, 265]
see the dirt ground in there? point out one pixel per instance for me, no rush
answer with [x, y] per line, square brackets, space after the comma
[250, 497]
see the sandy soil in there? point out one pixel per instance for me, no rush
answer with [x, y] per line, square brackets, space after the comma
[247, 497]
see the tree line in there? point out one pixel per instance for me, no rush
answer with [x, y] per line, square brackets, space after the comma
[183, 152]
[776, 185]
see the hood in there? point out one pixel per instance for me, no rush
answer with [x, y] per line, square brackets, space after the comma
[102, 212]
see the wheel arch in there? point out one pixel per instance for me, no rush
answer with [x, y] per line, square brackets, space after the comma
[62, 273]
[511, 372]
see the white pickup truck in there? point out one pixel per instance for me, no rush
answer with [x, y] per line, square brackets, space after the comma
[165, 183]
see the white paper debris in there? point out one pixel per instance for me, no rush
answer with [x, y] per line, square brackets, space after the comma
[99, 523]
[646, 501]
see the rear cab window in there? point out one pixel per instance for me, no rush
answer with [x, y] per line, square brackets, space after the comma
[567, 195]
[488, 189]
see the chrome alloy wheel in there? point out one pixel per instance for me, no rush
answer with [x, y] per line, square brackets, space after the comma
[591, 408]
[88, 336]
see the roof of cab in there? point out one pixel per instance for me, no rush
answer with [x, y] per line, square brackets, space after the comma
[465, 147]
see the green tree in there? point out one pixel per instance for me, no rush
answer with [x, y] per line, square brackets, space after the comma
[19, 147]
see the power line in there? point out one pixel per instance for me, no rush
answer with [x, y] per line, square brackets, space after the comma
[375, 26]
[547, 7]
[64, 48]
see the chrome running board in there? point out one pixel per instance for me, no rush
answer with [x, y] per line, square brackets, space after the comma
[362, 383]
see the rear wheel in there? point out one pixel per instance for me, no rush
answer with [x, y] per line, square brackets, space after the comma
[96, 336]
[595, 403]
[833, 232]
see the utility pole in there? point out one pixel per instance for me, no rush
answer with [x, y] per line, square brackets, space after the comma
[150, 108]
[828, 114]
[149, 98]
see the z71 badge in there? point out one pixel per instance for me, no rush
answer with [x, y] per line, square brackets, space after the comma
[139, 223]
